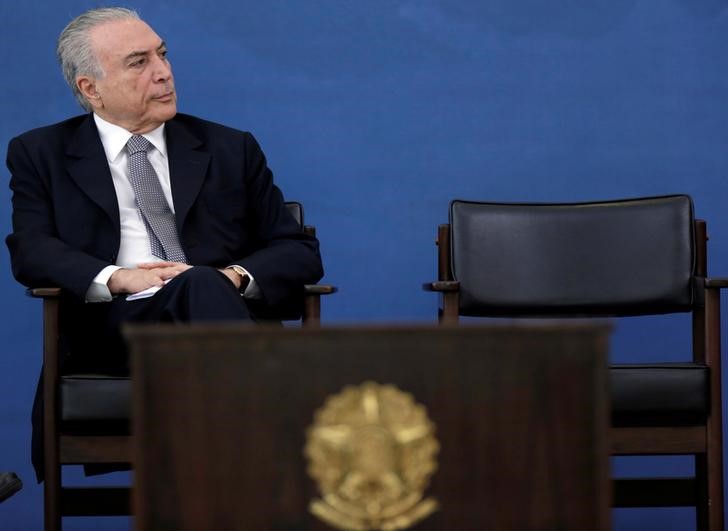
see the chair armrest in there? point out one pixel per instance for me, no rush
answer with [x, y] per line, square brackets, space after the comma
[716, 283]
[312, 303]
[43, 293]
[442, 286]
[319, 289]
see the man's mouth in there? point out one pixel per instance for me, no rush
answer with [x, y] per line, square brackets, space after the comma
[166, 96]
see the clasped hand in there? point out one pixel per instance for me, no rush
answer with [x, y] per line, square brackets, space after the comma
[144, 276]
[153, 274]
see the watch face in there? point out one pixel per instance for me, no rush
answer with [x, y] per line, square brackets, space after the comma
[244, 281]
[244, 278]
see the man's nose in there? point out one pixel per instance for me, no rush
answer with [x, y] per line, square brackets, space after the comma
[163, 70]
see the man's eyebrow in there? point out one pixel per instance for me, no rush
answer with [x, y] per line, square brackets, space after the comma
[141, 53]
[132, 55]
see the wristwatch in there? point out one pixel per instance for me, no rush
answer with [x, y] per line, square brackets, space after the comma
[244, 277]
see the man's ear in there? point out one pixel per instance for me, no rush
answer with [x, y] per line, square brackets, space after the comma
[87, 86]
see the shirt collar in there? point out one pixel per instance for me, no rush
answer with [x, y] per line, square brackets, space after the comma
[114, 138]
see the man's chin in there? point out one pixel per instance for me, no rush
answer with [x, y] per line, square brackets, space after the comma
[167, 112]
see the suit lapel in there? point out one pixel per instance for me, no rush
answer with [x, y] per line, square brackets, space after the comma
[89, 169]
[187, 167]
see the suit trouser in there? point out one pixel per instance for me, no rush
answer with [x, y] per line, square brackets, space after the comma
[91, 333]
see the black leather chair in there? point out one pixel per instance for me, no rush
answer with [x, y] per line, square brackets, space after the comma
[86, 417]
[603, 259]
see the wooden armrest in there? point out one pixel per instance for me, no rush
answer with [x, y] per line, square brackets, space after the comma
[442, 285]
[319, 289]
[716, 282]
[43, 292]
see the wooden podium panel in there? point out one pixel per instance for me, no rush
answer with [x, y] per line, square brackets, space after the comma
[512, 435]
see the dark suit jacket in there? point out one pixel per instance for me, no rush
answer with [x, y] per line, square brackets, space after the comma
[66, 222]
[66, 217]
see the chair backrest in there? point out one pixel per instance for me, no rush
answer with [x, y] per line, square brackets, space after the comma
[626, 257]
[296, 210]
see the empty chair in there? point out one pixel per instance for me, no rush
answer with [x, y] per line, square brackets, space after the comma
[608, 259]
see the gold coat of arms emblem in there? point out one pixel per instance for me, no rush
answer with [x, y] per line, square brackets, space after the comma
[372, 449]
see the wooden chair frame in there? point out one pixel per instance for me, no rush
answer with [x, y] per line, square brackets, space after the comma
[704, 490]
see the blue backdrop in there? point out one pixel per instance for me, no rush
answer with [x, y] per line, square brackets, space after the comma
[376, 113]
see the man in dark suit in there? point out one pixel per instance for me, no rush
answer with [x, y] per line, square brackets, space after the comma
[135, 199]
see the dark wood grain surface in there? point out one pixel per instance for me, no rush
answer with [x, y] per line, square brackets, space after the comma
[221, 413]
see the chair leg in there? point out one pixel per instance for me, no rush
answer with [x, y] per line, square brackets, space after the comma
[312, 311]
[52, 467]
[701, 495]
[449, 312]
[715, 493]
[51, 443]
[52, 498]
[711, 464]
[709, 495]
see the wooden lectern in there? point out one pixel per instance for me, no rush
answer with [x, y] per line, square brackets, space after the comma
[404, 427]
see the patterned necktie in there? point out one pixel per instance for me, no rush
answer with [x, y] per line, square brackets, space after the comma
[158, 218]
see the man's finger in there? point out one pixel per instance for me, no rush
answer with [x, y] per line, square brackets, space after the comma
[155, 265]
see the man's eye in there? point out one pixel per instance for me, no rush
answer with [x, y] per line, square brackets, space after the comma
[138, 62]
[163, 54]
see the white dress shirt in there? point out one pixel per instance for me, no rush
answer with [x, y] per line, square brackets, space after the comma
[134, 247]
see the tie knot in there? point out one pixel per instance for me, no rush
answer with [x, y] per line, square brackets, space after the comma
[136, 144]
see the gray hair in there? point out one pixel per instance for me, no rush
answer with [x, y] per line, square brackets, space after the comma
[74, 49]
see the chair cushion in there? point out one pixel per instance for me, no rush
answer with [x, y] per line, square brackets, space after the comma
[650, 394]
[92, 403]
[644, 394]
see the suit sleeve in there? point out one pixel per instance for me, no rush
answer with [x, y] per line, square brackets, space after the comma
[39, 257]
[286, 258]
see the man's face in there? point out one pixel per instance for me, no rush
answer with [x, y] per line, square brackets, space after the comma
[136, 91]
